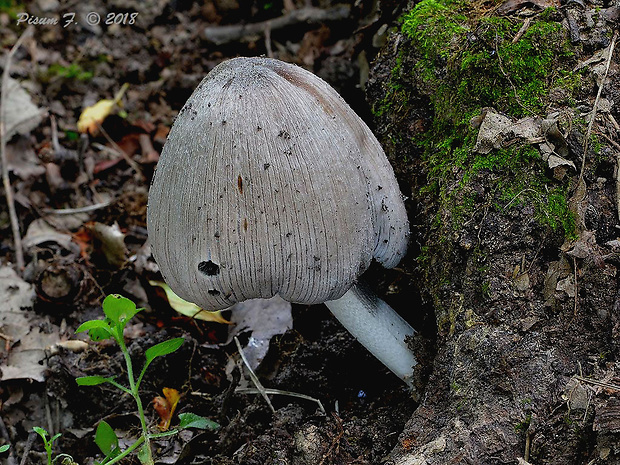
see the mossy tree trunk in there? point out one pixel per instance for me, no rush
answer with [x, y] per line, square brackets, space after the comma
[518, 259]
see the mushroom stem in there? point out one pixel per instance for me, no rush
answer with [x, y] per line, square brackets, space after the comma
[378, 328]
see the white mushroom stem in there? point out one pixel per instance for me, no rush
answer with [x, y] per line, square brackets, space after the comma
[378, 328]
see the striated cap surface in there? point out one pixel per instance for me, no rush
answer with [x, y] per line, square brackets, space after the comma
[270, 184]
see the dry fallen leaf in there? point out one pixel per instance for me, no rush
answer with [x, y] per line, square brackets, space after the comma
[112, 243]
[165, 406]
[40, 232]
[92, 117]
[264, 318]
[21, 115]
[189, 309]
[26, 335]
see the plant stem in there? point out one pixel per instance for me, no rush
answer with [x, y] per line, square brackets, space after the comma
[136, 395]
[126, 452]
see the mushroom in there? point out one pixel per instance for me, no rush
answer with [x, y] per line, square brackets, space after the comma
[270, 184]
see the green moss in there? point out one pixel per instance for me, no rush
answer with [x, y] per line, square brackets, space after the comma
[73, 71]
[468, 63]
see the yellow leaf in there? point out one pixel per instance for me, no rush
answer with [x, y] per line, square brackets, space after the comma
[188, 308]
[92, 117]
[165, 406]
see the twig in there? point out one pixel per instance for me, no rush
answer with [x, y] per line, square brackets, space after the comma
[595, 107]
[8, 189]
[595, 382]
[31, 437]
[72, 211]
[576, 288]
[268, 41]
[253, 376]
[609, 139]
[335, 440]
[121, 152]
[241, 390]
[524, 28]
[220, 35]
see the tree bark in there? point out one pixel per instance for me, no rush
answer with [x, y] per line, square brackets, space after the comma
[527, 314]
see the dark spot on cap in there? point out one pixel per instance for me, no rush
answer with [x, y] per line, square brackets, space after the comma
[240, 184]
[266, 166]
[245, 224]
[209, 268]
[213, 292]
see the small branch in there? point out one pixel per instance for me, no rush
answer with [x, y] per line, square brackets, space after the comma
[72, 211]
[595, 107]
[595, 382]
[220, 35]
[241, 390]
[525, 27]
[576, 288]
[8, 189]
[31, 437]
[124, 154]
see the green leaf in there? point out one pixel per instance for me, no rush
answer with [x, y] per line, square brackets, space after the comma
[92, 380]
[163, 348]
[40, 431]
[92, 324]
[144, 454]
[106, 439]
[4, 448]
[191, 420]
[119, 309]
[56, 436]
[97, 329]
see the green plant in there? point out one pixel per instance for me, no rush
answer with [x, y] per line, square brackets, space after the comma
[48, 444]
[118, 311]
[73, 71]
[4, 448]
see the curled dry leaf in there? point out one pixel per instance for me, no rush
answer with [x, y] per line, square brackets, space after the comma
[112, 243]
[40, 232]
[498, 131]
[165, 407]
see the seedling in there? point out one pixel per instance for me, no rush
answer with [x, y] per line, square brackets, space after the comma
[48, 444]
[118, 311]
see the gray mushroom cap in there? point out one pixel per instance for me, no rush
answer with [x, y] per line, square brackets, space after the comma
[270, 184]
